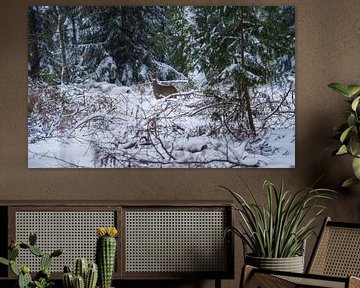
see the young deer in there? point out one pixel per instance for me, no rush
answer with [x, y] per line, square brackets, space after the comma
[160, 90]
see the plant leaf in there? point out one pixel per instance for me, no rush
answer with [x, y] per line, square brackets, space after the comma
[349, 182]
[340, 88]
[353, 89]
[356, 167]
[351, 120]
[345, 134]
[355, 103]
[342, 150]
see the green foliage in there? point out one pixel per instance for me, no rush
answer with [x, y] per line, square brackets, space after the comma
[42, 283]
[242, 43]
[241, 47]
[348, 132]
[85, 275]
[42, 278]
[279, 229]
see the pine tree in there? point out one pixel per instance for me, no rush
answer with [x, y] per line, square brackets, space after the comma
[118, 39]
[241, 47]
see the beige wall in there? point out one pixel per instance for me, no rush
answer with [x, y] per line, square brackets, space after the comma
[327, 50]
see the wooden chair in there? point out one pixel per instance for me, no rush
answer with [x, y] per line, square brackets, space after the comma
[334, 263]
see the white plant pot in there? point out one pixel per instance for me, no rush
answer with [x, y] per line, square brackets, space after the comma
[291, 264]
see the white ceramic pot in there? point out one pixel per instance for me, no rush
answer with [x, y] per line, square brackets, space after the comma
[291, 264]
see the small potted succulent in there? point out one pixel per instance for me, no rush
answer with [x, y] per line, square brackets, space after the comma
[42, 278]
[275, 233]
[348, 132]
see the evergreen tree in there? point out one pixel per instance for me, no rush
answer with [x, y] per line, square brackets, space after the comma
[181, 36]
[41, 43]
[241, 47]
[117, 39]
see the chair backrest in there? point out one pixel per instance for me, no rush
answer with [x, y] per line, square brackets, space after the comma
[337, 251]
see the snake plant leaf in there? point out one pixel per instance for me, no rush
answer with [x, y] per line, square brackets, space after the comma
[342, 150]
[349, 182]
[355, 103]
[340, 88]
[345, 134]
[356, 167]
[353, 89]
[278, 228]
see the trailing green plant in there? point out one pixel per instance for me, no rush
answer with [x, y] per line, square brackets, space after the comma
[280, 228]
[106, 254]
[349, 131]
[42, 278]
[84, 275]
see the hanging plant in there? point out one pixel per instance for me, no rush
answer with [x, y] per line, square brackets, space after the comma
[348, 132]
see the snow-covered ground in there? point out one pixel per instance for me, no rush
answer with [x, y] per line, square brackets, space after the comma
[101, 125]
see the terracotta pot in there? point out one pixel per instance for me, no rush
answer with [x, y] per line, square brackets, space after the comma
[291, 264]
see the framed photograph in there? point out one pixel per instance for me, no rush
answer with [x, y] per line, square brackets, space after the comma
[161, 87]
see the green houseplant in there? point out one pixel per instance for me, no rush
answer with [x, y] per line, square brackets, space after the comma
[279, 229]
[348, 132]
[42, 278]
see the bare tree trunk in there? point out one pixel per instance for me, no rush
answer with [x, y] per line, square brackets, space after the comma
[34, 53]
[244, 82]
[73, 26]
[64, 68]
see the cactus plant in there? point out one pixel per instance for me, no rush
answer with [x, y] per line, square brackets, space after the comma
[81, 266]
[42, 278]
[91, 276]
[85, 274]
[79, 282]
[68, 280]
[24, 277]
[105, 254]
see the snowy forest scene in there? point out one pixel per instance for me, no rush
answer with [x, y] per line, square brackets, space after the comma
[161, 87]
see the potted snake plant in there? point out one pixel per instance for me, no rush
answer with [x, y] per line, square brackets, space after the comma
[274, 234]
[348, 132]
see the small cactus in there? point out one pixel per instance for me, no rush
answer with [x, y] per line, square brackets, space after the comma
[36, 251]
[81, 265]
[57, 252]
[32, 239]
[23, 273]
[106, 254]
[24, 280]
[14, 268]
[91, 276]
[83, 274]
[68, 280]
[79, 282]
[45, 261]
[13, 253]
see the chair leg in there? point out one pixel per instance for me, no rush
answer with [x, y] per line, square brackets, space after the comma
[246, 273]
[354, 282]
[251, 279]
[217, 282]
